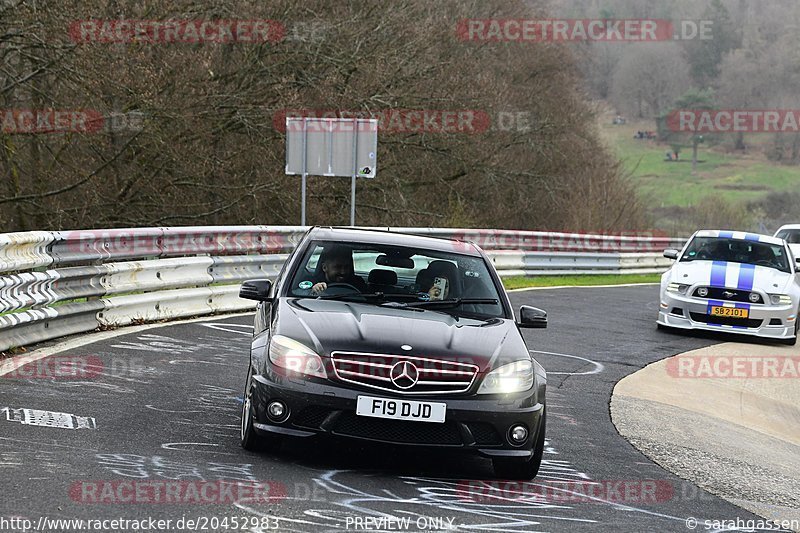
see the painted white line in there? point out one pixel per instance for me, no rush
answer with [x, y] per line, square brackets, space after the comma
[12, 363]
[582, 287]
[598, 367]
[226, 327]
[148, 406]
[52, 419]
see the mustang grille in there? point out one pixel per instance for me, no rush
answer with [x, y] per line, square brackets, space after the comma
[404, 374]
[717, 293]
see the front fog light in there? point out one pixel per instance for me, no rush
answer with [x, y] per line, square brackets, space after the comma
[753, 297]
[277, 410]
[702, 292]
[518, 434]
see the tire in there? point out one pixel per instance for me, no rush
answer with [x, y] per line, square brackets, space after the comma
[250, 440]
[523, 469]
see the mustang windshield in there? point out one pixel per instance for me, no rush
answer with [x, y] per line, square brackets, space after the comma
[737, 251]
[377, 273]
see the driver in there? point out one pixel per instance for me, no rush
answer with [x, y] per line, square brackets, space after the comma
[337, 265]
[714, 250]
[763, 255]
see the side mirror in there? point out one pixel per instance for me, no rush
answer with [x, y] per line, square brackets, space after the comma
[671, 253]
[532, 317]
[797, 260]
[256, 289]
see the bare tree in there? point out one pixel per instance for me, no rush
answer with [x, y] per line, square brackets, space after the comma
[649, 77]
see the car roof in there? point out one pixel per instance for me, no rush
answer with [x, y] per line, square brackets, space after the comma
[387, 237]
[739, 235]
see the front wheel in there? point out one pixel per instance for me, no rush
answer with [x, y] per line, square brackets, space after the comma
[250, 440]
[512, 468]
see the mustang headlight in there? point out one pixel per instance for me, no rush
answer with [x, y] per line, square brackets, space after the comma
[296, 357]
[513, 377]
[677, 287]
[780, 299]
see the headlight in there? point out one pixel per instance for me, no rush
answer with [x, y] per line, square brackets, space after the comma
[677, 287]
[513, 377]
[289, 354]
[780, 299]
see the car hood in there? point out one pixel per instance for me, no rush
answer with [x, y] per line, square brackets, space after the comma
[730, 275]
[328, 326]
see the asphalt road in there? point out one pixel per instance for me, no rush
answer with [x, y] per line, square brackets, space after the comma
[163, 404]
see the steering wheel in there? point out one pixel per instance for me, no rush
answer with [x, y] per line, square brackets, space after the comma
[346, 286]
[703, 255]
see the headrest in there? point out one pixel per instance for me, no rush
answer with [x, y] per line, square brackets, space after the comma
[380, 276]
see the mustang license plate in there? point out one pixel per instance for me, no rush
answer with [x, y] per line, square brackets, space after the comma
[733, 312]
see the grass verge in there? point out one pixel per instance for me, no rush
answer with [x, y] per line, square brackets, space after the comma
[521, 282]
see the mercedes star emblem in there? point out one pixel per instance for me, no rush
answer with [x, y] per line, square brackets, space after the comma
[404, 375]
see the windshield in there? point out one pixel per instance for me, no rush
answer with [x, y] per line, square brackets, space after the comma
[792, 236]
[737, 251]
[397, 276]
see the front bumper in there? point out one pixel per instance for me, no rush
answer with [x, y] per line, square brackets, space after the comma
[325, 408]
[689, 312]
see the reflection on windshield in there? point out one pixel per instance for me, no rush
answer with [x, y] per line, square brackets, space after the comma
[376, 273]
[737, 251]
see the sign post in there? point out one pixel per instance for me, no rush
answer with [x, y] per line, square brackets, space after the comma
[331, 147]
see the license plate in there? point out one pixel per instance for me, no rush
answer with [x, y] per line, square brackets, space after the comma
[401, 409]
[733, 312]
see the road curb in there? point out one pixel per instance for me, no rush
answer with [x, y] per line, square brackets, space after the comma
[736, 437]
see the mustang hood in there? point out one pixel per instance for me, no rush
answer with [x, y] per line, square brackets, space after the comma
[730, 275]
[328, 326]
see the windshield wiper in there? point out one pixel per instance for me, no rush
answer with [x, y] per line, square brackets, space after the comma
[455, 302]
[368, 296]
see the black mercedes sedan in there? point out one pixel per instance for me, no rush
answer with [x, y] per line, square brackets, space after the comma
[396, 338]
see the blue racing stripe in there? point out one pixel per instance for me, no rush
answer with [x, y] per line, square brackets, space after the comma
[751, 237]
[726, 234]
[746, 273]
[718, 273]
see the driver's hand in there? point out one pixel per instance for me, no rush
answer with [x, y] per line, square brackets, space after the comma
[319, 287]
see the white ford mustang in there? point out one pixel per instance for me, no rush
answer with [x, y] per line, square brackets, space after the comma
[732, 281]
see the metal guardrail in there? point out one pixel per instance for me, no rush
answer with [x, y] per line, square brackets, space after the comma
[55, 284]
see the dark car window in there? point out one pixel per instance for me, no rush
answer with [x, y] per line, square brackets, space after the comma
[737, 251]
[400, 274]
[792, 236]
